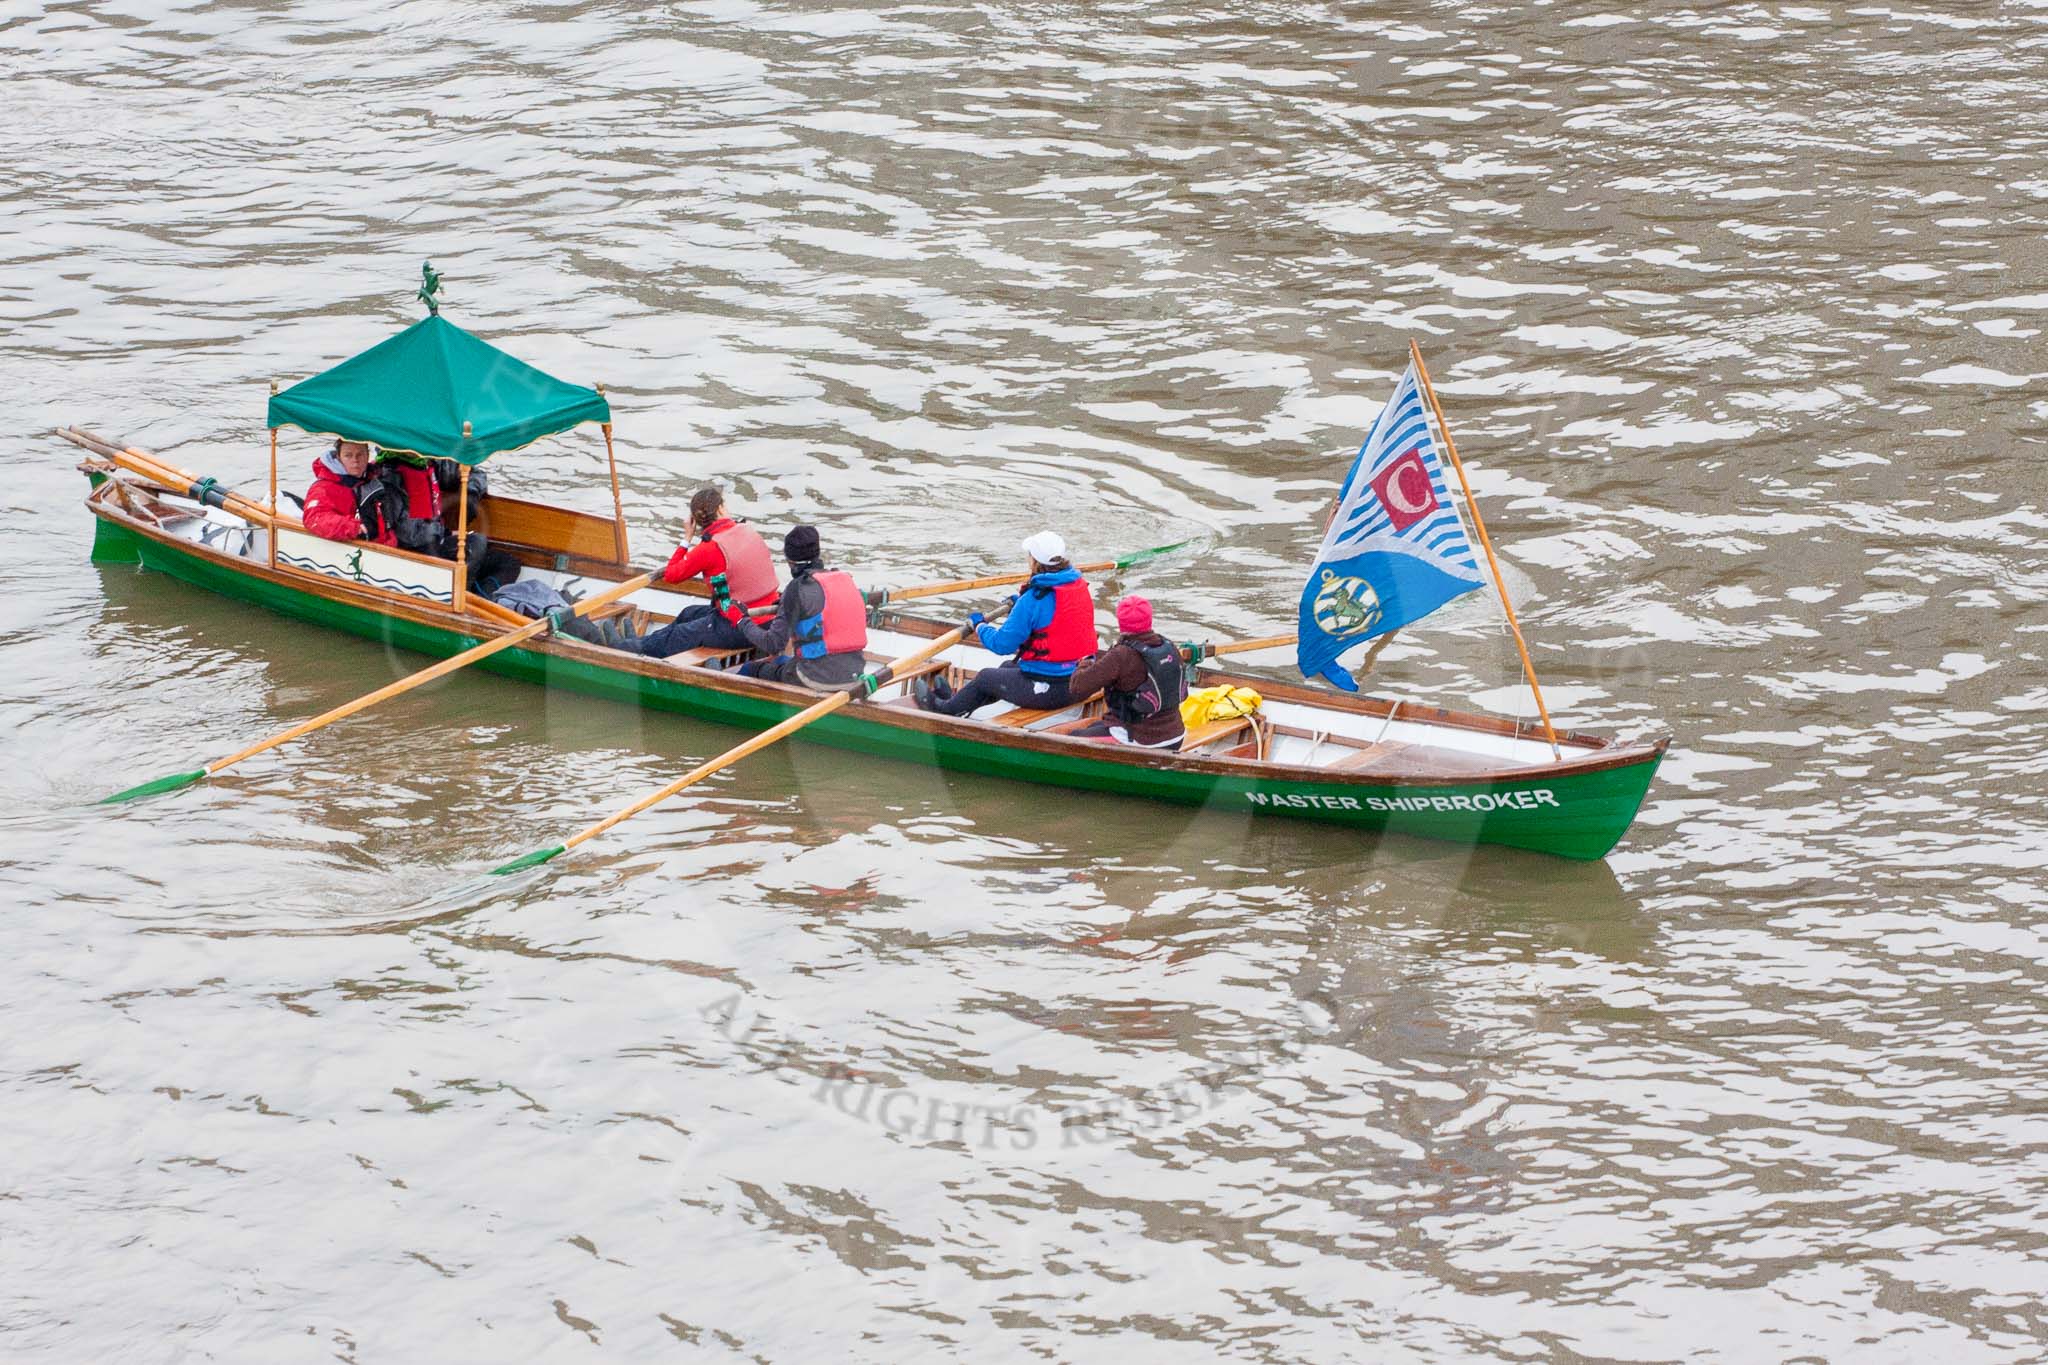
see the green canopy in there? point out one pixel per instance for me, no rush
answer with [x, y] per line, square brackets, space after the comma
[415, 391]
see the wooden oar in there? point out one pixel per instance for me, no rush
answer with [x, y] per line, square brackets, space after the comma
[866, 687]
[1195, 653]
[885, 595]
[174, 781]
[205, 491]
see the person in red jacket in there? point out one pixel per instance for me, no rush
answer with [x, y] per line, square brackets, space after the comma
[344, 502]
[394, 501]
[737, 564]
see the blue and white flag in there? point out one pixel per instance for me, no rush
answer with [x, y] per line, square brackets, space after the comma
[1395, 550]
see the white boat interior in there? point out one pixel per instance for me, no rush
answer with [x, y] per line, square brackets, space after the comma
[1295, 733]
[1287, 732]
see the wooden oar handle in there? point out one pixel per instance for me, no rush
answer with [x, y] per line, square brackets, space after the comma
[886, 595]
[1197, 652]
[169, 475]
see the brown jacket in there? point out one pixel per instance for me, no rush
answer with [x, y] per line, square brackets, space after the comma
[1119, 669]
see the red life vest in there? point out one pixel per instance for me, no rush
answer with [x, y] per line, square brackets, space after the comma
[1070, 635]
[749, 577]
[422, 490]
[841, 625]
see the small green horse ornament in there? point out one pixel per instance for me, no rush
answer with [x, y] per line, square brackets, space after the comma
[430, 283]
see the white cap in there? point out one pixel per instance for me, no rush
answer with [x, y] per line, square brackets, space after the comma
[1045, 547]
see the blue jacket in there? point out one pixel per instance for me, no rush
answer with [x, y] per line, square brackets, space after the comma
[1032, 611]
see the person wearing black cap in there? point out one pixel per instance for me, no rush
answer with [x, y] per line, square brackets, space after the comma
[822, 622]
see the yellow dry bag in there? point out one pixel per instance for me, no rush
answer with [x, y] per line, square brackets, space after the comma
[1205, 704]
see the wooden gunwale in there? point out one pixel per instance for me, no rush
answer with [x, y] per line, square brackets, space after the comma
[1603, 756]
[1379, 708]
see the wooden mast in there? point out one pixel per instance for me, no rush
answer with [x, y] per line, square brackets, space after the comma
[270, 536]
[618, 505]
[460, 598]
[1479, 524]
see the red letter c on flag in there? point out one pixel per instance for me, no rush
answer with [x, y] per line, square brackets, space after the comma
[1404, 490]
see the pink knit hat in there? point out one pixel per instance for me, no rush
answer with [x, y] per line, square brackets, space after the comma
[1134, 615]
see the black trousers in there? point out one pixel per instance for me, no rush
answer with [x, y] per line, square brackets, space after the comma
[1005, 682]
[787, 668]
[697, 627]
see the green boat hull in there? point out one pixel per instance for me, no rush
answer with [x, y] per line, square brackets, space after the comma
[1569, 814]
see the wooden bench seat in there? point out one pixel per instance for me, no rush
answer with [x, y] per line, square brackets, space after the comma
[1365, 757]
[1023, 718]
[707, 656]
[1211, 731]
[910, 675]
[1417, 760]
[1243, 737]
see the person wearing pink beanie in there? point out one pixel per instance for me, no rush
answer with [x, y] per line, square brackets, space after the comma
[1141, 681]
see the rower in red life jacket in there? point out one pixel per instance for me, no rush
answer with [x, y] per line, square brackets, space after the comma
[338, 505]
[1050, 629]
[736, 563]
[822, 615]
[1141, 681]
[396, 501]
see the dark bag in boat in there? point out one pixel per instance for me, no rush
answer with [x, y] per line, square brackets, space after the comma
[531, 597]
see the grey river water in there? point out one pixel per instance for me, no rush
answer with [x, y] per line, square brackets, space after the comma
[1736, 311]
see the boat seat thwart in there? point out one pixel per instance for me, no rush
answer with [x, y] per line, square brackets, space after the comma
[1232, 736]
[1366, 757]
[1024, 717]
[711, 657]
[1397, 761]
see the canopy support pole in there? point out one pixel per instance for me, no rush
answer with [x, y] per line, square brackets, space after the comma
[271, 534]
[618, 505]
[1479, 524]
[460, 597]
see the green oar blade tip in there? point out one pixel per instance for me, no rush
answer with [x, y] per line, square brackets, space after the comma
[533, 859]
[1141, 556]
[155, 787]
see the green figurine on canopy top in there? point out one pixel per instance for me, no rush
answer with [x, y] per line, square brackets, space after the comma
[430, 284]
[438, 391]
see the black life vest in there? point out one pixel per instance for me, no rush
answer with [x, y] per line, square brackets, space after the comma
[1164, 679]
[379, 505]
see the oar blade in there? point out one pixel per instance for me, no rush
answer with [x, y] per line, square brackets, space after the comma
[155, 787]
[1157, 550]
[533, 859]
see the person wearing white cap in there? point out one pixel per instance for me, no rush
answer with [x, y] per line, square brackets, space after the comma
[1050, 629]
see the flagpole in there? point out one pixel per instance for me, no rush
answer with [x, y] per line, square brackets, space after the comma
[1479, 524]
